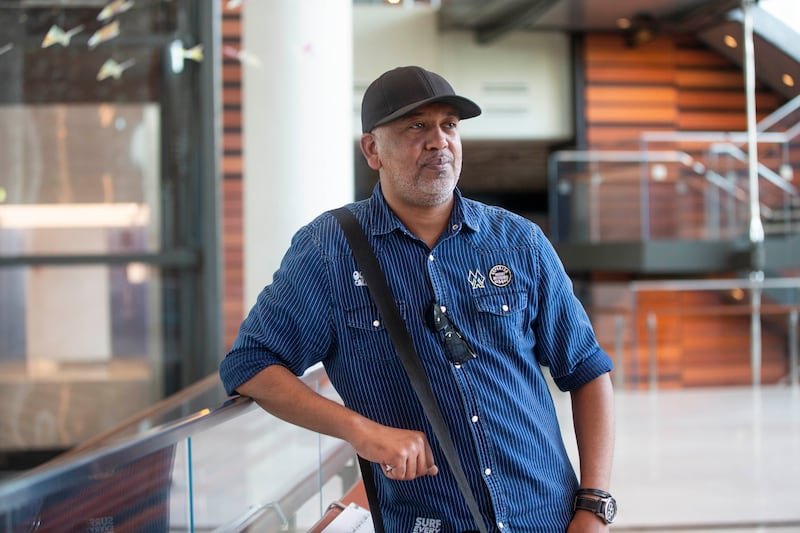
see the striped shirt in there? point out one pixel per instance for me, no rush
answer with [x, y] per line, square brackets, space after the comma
[503, 286]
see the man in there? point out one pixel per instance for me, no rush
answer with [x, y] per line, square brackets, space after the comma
[495, 278]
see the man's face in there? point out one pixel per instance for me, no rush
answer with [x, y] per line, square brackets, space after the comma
[418, 156]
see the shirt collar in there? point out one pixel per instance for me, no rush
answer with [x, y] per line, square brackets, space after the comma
[383, 220]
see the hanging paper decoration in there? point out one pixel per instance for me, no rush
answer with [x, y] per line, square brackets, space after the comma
[195, 53]
[56, 35]
[112, 69]
[114, 8]
[243, 56]
[106, 33]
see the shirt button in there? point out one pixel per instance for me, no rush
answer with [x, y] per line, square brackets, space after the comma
[455, 227]
[505, 308]
[457, 365]
[500, 525]
[488, 471]
[430, 257]
[474, 418]
[376, 323]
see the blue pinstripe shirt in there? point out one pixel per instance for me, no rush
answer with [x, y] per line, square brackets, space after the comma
[504, 287]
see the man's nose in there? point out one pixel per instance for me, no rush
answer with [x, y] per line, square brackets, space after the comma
[437, 139]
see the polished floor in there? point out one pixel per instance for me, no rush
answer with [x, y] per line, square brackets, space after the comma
[695, 460]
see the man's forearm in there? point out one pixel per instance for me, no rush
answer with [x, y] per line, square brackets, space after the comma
[278, 391]
[593, 417]
[281, 393]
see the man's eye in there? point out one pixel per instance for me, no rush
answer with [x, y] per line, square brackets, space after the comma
[417, 125]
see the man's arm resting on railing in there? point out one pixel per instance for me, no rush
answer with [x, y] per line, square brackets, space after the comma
[278, 391]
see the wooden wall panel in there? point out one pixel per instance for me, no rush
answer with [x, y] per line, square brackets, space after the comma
[232, 170]
[670, 84]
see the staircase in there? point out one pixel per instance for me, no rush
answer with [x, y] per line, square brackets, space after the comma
[656, 220]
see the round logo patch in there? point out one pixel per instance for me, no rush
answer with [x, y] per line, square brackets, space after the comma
[500, 275]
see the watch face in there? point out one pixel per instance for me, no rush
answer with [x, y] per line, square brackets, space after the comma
[611, 510]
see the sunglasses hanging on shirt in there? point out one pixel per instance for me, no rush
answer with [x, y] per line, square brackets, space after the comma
[456, 347]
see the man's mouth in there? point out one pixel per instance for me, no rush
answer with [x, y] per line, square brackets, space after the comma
[439, 163]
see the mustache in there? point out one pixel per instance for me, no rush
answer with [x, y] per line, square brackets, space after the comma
[442, 158]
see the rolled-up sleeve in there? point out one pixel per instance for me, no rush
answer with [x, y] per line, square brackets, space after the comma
[290, 323]
[566, 342]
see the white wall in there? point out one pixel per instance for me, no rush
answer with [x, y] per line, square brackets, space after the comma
[522, 81]
[298, 152]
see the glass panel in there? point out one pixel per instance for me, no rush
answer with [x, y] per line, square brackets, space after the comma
[271, 472]
[628, 197]
[234, 468]
[79, 179]
[82, 351]
[698, 333]
[130, 495]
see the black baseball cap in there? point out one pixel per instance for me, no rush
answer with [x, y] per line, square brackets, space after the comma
[403, 89]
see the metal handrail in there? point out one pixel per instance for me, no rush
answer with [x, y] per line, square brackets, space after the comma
[634, 156]
[60, 474]
[763, 171]
[596, 156]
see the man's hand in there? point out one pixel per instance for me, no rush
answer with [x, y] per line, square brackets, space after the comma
[403, 454]
[587, 522]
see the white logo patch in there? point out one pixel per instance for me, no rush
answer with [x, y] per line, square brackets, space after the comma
[359, 279]
[476, 279]
[500, 275]
[427, 525]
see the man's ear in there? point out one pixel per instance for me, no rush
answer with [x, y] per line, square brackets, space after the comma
[369, 147]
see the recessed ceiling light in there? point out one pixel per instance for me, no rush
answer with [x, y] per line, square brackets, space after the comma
[393, 1]
[623, 23]
[787, 80]
[730, 41]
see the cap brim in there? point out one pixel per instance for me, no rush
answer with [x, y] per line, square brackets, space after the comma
[466, 108]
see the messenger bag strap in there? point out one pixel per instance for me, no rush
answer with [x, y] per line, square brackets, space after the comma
[404, 345]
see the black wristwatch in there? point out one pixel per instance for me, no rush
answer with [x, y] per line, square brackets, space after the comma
[602, 504]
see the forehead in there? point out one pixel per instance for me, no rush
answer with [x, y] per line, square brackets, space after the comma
[436, 109]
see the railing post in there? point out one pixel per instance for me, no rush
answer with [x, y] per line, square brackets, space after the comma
[755, 326]
[653, 362]
[793, 349]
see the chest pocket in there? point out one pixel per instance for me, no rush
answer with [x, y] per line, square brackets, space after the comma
[501, 317]
[368, 337]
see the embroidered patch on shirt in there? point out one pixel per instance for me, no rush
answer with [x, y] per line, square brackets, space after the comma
[476, 279]
[500, 275]
[427, 525]
[358, 278]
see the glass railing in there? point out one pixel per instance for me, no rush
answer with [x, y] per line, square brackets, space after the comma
[615, 196]
[688, 333]
[678, 185]
[231, 468]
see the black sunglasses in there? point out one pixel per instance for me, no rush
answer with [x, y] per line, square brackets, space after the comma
[456, 347]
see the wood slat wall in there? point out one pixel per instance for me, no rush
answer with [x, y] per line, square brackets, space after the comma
[671, 84]
[232, 170]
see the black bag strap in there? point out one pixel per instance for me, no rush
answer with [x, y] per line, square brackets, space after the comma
[383, 298]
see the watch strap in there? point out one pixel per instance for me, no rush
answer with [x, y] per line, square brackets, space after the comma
[594, 492]
[589, 504]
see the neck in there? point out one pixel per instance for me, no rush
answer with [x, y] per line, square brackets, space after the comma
[425, 223]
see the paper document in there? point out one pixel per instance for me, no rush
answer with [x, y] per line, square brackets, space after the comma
[353, 519]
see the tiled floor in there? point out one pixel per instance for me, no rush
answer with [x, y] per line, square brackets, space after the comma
[722, 459]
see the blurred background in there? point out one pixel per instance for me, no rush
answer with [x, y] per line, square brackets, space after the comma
[156, 156]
